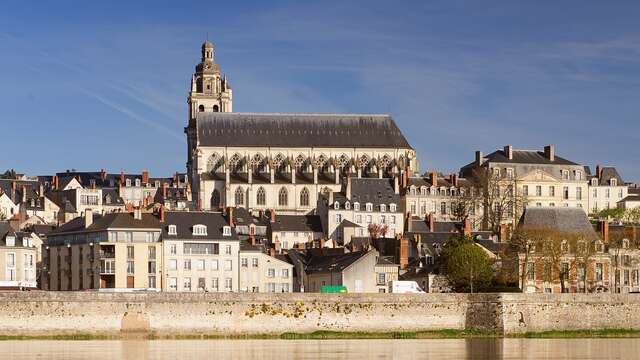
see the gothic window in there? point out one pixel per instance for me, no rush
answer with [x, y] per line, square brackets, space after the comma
[215, 108]
[385, 163]
[321, 163]
[300, 162]
[257, 163]
[283, 197]
[214, 163]
[235, 163]
[343, 162]
[261, 197]
[278, 162]
[215, 199]
[201, 108]
[363, 162]
[304, 197]
[239, 196]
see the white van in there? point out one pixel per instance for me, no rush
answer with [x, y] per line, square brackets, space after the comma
[405, 287]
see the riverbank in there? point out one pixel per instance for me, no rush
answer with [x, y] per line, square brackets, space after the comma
[89, 315]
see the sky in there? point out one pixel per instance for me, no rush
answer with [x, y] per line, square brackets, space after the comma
[91, 85]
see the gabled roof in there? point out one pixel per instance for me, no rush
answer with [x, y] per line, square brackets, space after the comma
[299, 130]
[333, 263]
[562, 219]
[186, 220]
[301, 223]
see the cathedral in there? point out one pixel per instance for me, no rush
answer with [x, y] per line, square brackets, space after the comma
[281, 161]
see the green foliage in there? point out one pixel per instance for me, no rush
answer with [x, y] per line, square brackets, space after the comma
[614, 213]
[9, 174]
[466, 265]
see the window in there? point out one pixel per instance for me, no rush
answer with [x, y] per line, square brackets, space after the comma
[565, 174]
[359, 219]
[285, 273]
[285, 287]
[130, 267]
[510, 173]
[356, 206]
[152, 282]
[228, 284]
[578, 175]
[227, 249]
[200, 264]
[393, 207]
[383, 219]
[173, 230]
[130, 252]
[382, 278]
[565, 192]
[538, 190]
[613, 182]
[413, 208]
[271, 273]
[138, 182]
[347, 205]
[186, 284]
[599, 271]
[383, 207]
[369, 207]
[620, 193]
[261, 198]
[244, 262]
[283, 197]
[336, 205]
[228, 265]
[392, 219]
[128, 182]
[214, 284]
[201, 108]
[254, 262]
[552, 191]
[150, 237]
[579, 193]
[173, 284]
[338, 218]
[173, 264]
[128, 236]
[304, 197]
[199, 230]
[443, 208]
[525, 190]
[368, 219]
[226, 230]
[607, 193]
[11, 267]
[214, 265]
[239, 197]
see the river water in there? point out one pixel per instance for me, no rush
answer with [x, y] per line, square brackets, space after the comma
[582, 349]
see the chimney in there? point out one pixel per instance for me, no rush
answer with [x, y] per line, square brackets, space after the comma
[598, 172]
[137, 214]
[604, 230]
[434, 178]
[396, 185]
[24, 194]
[454, 179]
[55, 182]
[508, 152]
[161, 213]
[103, 175]
[431, 222]
[409, 222]
[550, 152]
[88, 218]
[348, 189]
[272, 252]
[122, 177]
[466, 230]
[273, 216]
[479, 158]
[145, 176]
[164, 190]
[230, 216]
[40, 189]
[176, 181]
[404, 252]
[13, 191]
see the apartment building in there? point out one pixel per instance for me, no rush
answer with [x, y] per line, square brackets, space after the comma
[606, 189]
[201, 252]
[262, 272]
[17, 259]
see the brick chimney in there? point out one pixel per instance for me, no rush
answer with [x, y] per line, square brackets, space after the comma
[434, 178]
[404, 252]
[396, 185]
[24, 194]
[88, 218]
[431, 222]
[272, 252]
[103, 175]
[550, 152]
[164, 190]
[161, 213]
[122, 177]
[405, 178]
[604, 230]
[508, 152]
[479, 158]
[13, 191]
[466, 227]
[145, 176]
[230, 216]
[273, 216]
[454, 179]
[598, 172]
[55, 182]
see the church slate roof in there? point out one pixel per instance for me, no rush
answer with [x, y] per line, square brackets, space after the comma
[299, 130]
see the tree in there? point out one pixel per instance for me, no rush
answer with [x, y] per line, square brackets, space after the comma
[613, 213]
[466, 265]
[9, 174]
[376, 230]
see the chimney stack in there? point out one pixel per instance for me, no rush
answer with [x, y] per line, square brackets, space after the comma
[24, 194]
[405, 178]
[604, 230]
[454, 179]
[434, 178]
[88, 218]
[396, 185]
[431, 222]
[348, 188]
[230, 216]
[466, 231]
[164, 190]
[409, 222]
[550, 152]
[145, 176]
[508, 152]
[122, 177]
[273, 216]
[56, 181]
[404, 252]
[13, 191]
[598, 172]
[137, 213]
[103, 175]
[161, 213]
[479, 158]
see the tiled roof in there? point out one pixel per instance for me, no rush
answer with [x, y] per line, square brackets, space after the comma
[562, 219]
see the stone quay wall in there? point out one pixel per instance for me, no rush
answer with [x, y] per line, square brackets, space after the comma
[40, 313]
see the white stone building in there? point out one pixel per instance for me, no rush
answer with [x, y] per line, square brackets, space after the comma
[606, 189]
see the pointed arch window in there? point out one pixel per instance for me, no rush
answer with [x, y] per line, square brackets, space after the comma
[215, 199]
[235, 163]
[321, 163]
[214, 162]
[283, 197]
[261, 197]
[304, 197]
[300, 162]
[239, 196]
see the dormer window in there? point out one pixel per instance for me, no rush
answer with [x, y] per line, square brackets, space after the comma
[578, 175]
[172, 230]
[336, 205]
[392, 207]
[138, 182]
[25, 242]
[613, 182]
[369, 206]
[347, 205]
[11, 241]
[157, 183]
[356, 206]
[383, 207]
[128, 182]
[226, 230]
[594, 182]
[199, 230]
[565, 174]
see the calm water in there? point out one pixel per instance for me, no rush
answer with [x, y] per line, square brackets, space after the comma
[582, 349]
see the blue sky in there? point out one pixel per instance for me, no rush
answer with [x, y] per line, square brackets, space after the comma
[91, 85]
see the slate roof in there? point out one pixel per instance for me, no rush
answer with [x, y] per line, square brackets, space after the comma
[521, 157]
[420, 225]
[563, 219]
[112, 193]
[242, 216]
[332, 263]
[299, 130]
[185, 220]
[7, 230]
[299, 223]
[109, 221]
[375, 191]
[609, 173]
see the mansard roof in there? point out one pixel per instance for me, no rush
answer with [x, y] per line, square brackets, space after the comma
[563, 219]
[299, 130]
